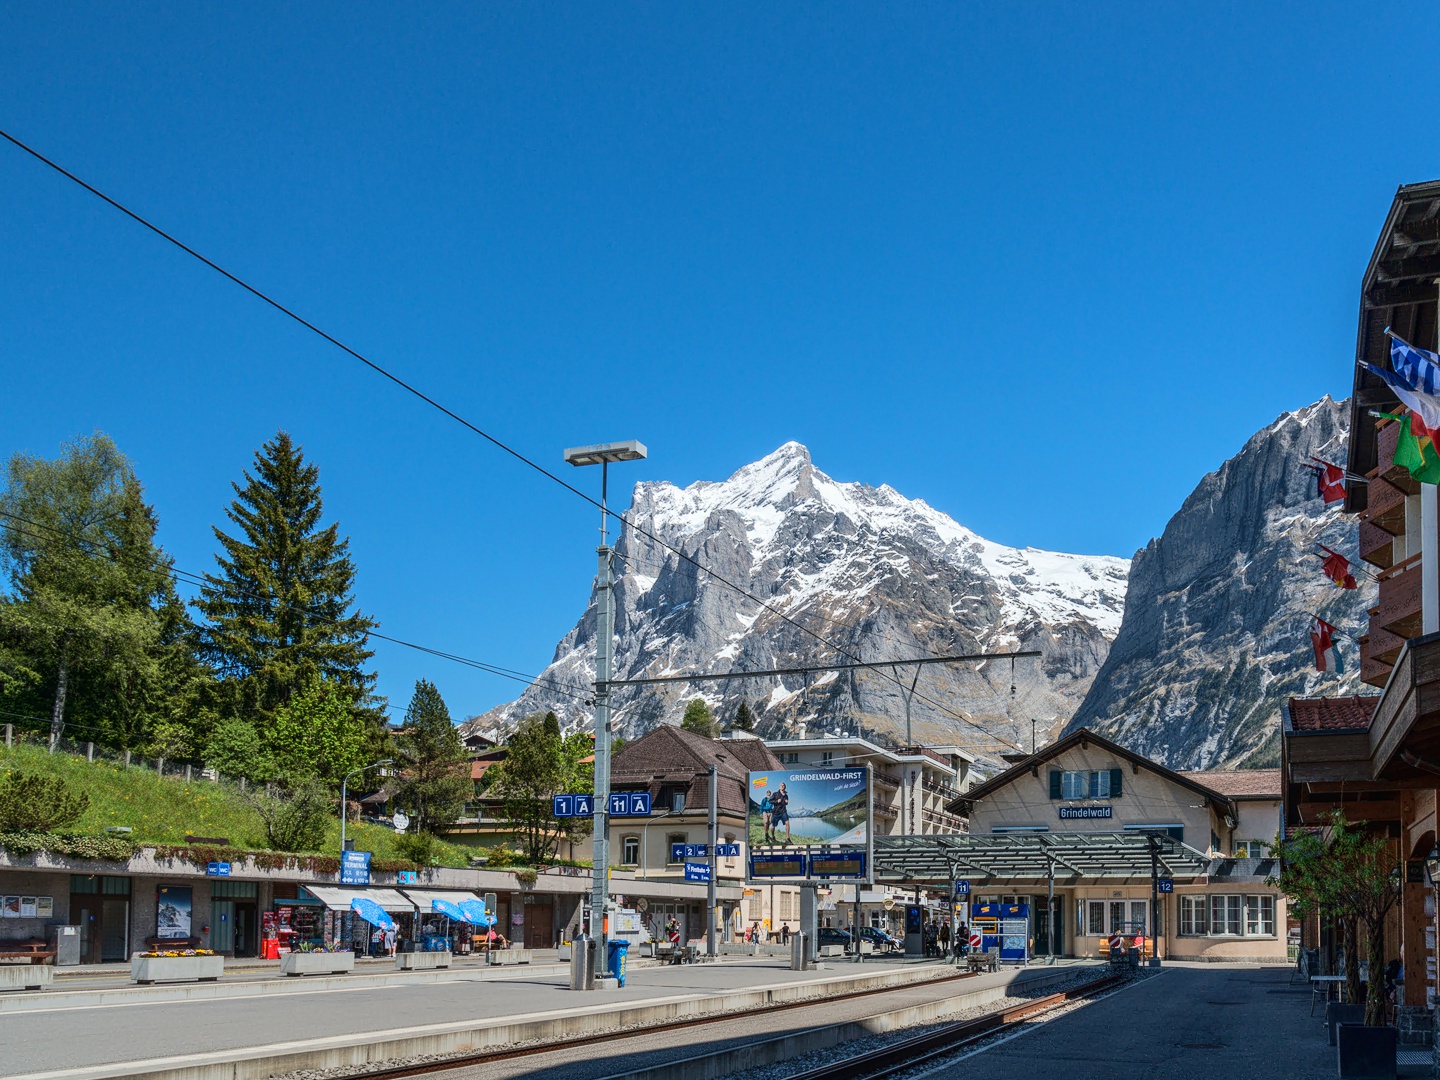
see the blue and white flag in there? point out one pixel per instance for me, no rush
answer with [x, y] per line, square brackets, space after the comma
[1425, 406]
[1420, 368]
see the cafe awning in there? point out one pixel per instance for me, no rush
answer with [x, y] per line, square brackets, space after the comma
[425, 898]
[1033, 856]
[338, 897]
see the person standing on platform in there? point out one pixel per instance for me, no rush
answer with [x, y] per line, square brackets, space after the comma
[945, 938]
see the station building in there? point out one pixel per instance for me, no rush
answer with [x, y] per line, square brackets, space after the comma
[1075, 830]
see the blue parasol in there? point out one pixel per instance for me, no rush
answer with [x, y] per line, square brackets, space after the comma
[448, 908]
[371, 912]
[475, 913]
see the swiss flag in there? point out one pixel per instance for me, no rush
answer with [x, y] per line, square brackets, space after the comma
[1322, 637]
[1330, 480]
[1337, 569]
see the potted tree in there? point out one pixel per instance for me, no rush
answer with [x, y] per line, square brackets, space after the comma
[1350, 873]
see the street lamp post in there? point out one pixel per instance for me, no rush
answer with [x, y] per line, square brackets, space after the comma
[344, 796]
[603, 454]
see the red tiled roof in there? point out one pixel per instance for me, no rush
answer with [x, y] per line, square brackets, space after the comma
[1239, 783]
[1332, 714]
[669, 755]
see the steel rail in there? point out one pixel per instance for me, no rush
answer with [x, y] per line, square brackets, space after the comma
[485, 1056]
[908, 1053]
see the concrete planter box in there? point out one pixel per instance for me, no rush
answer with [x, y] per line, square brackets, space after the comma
[421, 961]
[317, 963]
[25, 976]
[1336, 1014]
[565, 951]
[1366, 1053]
[152, 969]
[508, 956]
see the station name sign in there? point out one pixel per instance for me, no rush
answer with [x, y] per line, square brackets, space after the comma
[1081, 813]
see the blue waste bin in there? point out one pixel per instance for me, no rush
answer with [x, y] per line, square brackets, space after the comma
[616, 956]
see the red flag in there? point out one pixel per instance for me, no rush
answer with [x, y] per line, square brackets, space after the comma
[1337, 569]
[1321, 637]
[1330, 480]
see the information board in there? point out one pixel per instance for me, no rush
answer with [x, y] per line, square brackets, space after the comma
[837, 864]
[791, 864]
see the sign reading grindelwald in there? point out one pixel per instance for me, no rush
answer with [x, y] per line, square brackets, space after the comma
[1081, 813]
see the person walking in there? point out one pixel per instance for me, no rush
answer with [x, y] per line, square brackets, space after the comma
[945, 938]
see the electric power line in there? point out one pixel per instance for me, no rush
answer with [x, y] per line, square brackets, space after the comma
[497, 443]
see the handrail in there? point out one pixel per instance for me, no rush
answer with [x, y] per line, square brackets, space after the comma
[1400, 567]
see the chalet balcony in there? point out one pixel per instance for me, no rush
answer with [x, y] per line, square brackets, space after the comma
[1384, 646]
[1399, 608]
[1373, 670]
[1377, 547]
[1387, 437]
[1386, 506]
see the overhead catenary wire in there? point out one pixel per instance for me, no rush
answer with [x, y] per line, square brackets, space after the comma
[433, 403]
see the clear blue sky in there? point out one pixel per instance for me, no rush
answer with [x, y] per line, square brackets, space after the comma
[1041, 265]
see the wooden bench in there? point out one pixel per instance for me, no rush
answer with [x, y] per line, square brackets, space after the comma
[33, 952]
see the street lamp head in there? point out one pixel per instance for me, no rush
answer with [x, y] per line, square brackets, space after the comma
[603, 453]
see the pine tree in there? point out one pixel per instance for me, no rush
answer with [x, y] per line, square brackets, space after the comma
[280, 612]
[744, 718]
[699, 719]
[434, 778]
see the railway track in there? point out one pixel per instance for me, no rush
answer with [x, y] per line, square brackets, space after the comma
[907, 1054]
[485, 1057]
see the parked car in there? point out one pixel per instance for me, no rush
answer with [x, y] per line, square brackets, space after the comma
[831, 935]
[882, 941]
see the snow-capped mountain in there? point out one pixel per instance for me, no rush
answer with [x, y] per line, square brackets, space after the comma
[874, 574]
[1216, 630]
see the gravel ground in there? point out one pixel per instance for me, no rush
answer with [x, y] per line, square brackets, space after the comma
[782, 1070]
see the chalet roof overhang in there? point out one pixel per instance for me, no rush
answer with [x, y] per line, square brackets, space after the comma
[1399, 291]
[1365, 770]
[1084, 737]
[1010, 857]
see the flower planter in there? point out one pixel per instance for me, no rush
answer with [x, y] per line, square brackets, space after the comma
[1366, 1053]
[152, 969]
[25, 976]
[421, 961]
[510, 956]
[317, 963]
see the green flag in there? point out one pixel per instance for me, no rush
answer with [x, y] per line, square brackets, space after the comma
[1420, 459]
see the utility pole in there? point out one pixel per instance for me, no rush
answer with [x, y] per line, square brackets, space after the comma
[603, 455]
[710, 889]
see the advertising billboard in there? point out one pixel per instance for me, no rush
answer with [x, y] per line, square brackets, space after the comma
[809, 819]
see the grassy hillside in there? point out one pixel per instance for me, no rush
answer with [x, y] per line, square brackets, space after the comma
[162, 809]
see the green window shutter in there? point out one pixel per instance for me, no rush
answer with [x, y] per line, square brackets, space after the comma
[1116, 776]
[1054, 783]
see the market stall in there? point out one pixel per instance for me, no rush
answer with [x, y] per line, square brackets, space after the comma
[340, 926]
[449, 919]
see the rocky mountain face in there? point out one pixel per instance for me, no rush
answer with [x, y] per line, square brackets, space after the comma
[876, 575]
[1215, 635]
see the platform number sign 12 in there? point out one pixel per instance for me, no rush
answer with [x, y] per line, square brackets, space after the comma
[1165, 885]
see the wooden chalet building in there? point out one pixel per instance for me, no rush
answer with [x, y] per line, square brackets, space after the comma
[1377, 756]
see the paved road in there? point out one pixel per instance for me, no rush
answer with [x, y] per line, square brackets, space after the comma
[1201, 1022]
[43, 1041]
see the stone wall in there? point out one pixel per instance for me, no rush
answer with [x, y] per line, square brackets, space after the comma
[55, 886]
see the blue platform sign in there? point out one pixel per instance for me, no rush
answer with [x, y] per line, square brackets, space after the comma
[573, 805]
[630, 804]
[681, 852]
[728, 851]
[697, 871]
[564, 806]
[217, 869]
[1165, 885]
[355, 868]
[584, 805]
[962, 888]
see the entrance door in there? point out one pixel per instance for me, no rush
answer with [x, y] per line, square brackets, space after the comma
[114, 929]
[245, 929]
[1051, 923]
[86, 912]
[539, 926]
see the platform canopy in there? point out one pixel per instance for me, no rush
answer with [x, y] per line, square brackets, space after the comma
[1037, 856]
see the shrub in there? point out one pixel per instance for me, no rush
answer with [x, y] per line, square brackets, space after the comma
[295, 820]
[499, 857]
[418, 847]
[235, 749]
[30, 802]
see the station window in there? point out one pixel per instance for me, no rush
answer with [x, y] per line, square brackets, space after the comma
[1260, 916]
[630, 851]
[1193, 918]
[1096, 923]
[1225, 916]
[1250, 849]
[1088, 784]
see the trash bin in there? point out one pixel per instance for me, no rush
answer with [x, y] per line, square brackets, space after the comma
[616, 957]
[582, 964]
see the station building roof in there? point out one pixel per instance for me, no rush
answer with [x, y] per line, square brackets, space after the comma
[1010, 857]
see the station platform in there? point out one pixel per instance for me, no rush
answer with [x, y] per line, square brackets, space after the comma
[139, 1035]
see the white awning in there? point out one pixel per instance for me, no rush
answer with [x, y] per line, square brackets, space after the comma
[425, 898]
[338, 897]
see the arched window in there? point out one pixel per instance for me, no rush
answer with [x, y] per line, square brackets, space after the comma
[630, 851]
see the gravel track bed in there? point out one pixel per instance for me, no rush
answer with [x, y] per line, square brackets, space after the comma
[782, 1070]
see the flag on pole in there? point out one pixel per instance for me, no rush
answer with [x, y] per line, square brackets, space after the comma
[1416, 455]
[1337, 569]
[1415, 378]
[1418, 367]
[1322, 636]
[1330, 480]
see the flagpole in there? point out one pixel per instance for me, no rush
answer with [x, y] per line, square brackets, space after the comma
[1429, 531]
